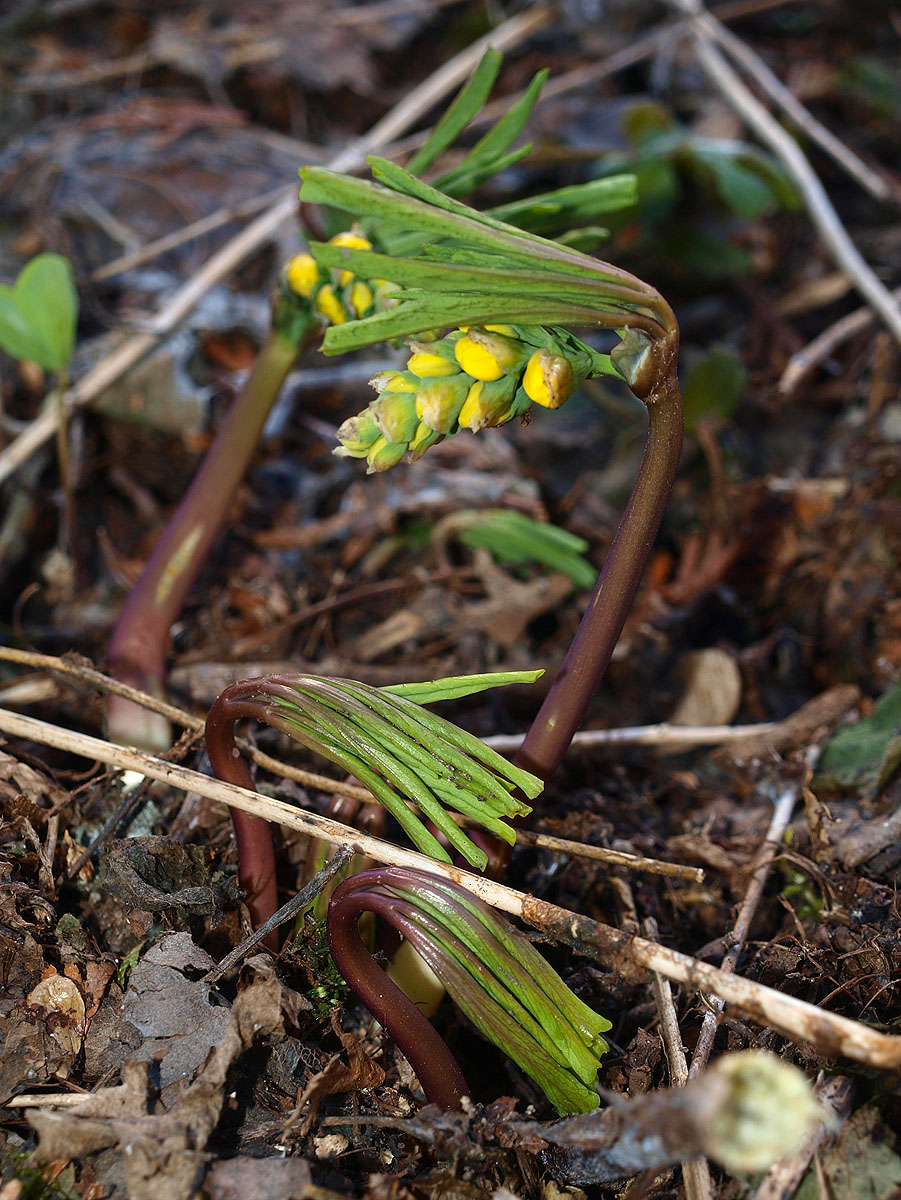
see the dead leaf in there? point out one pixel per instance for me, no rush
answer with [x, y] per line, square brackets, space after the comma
[260, 1178]
[712, 689]
[63, 1005]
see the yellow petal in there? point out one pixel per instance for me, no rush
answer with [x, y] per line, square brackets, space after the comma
[302, 274]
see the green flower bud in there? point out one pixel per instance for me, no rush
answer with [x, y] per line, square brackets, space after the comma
[383, 455]
[356, 435]
[486, 403]
[424, 438]
[396, 416]
[440, 399]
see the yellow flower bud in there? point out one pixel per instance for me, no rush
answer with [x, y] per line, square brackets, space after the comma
[548, 379]
[428, 366]
[361, 297]
[330, 306]
[383, 455]
[353, 241]
[302, 274]
[506, 330]
[488, 356]
[394, 381]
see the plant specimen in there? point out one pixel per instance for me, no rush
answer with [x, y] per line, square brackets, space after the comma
[386, 739]
[491, 971]
[508, 297]
[309, 298]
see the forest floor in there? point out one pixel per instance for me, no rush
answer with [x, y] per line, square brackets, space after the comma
[771, 598]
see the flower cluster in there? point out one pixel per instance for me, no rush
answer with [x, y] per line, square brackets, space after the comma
[473, 378]
[338, 296]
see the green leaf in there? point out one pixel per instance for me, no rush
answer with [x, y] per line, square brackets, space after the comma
[512, 537]
[580, 202]
[468, 103]
[39, 313]
[740, 188]
[714, 386]
[454, 687]
[865, 755]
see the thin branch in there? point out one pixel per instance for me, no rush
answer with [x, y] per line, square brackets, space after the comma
[787, 149]
[803, 361]
[298, 902]
[869, 180]
[831, 1034]
[178, 716]
[695, 1172]
[234, 252]
[772, 843]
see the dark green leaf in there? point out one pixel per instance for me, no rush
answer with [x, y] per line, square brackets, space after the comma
[865, 755]
[465, 107]
[714, 387]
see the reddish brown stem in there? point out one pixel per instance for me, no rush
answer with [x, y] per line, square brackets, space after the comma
[589, 654]
[137, 648]
[253, 835]
[436, 1068]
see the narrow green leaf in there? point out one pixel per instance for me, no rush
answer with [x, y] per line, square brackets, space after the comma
[454, 687]
[468, 103]
[502, 134]
[574, 203]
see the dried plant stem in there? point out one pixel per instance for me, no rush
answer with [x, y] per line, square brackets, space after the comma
[695, 1172]
[803, 361]
[240, 247]
[831, 1034]
[787, 149]
[771, 844]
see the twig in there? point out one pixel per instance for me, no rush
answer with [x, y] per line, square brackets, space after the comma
[287, 912]
[178, 716]
[831, 1034]
[664, 735]
[234, 252]
[803, 361]
[695, 1172]
[875, 184]
[782, 812]
[787, 149]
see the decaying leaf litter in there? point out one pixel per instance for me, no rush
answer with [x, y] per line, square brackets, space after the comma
[772, 588]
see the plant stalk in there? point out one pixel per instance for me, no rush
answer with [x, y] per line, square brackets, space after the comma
[137, 648]
[253, 835]
[592, 647]
[435, 1066]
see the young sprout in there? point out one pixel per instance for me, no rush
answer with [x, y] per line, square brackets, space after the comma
[404, 754]
[492, 972]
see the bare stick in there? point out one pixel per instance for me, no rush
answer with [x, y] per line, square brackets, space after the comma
[771, 844]
[875, 184]
[831, 1034]
[240, 247]
[287, 912]
[782, 144]
[695, 1172]
[803, 361]
[663, 735]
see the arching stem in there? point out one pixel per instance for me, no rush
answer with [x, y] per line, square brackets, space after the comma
[436, 1068]
[589, 654]
[253, 835]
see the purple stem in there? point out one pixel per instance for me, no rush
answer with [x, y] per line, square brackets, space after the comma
[435, 1066]
[253, 835]
[137, 647]
[592, 647]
